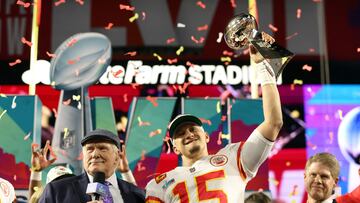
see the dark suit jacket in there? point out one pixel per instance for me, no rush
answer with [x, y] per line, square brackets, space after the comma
[73, 189]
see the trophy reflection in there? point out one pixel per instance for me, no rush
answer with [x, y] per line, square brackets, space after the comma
[243, 30]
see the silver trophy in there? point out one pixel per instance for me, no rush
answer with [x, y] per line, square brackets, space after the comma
[243, 30]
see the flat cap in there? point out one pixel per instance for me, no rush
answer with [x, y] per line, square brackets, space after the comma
[101, 134]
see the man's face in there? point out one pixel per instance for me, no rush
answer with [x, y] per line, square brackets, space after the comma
[100, 157]
[190, 140]
[318, 181]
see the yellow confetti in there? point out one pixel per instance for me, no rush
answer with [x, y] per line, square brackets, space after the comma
[66, 132]
[181, 49]
[2, 114]
[225, 136]
[340, 114]
[52, 83]
[139, 119]
[225, 59]
[298, 82]
[158, 57]
[132, 19]
[3, 95]
[218, 107]
[76, 97]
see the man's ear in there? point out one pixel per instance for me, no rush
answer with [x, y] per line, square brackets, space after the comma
[176, 151]
[207, 138]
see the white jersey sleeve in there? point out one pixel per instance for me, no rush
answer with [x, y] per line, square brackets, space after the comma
[154, 191]
[254, 152]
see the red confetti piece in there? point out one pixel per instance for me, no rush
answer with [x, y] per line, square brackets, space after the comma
[273, 28]
[171, 61]
[140, 167]
[67, 102]
[201, 4]
[311, 50]
[132, 53]
[109, 26]
[291, 36]
[134, 85]
[201, 40]
[126, 7]
[152, 100]
[219, 141]
[155, 132]
[116, 73]
[188, 63]
[72, 61]
[307, 67]
[59, 2]
[17, 61]
[298, 13]
[358, 50]
[170, 40]
[203, 120]
[81, 2]
[219, 37]
[143, 153]
[233, 3]
[202, 28]
[125, 98]
[223, 118]
[72, 42]
[143, 15]
[51, 55]
[24, 41]
[21, 3]
[228, 53]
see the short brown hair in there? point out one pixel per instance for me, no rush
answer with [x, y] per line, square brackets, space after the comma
[327, 160]
[257, 197]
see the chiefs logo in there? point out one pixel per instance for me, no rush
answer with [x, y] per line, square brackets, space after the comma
[218, 160]
[160, 177]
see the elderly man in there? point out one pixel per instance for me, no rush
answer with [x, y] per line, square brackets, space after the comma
[321, 177]
[101, 154]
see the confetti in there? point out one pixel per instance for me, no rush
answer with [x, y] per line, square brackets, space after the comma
[72, 61]
[201, 4]
[220, 35]
[227, 53]
[134, 85]
[171, 61]
[21, 3]
[152, 100]
[170, 40]
[311, 50]
[143, 123]
[50, 55]
[125, 98]
[155, 132]
[27, 136]
[71, 42]
[298, 13]
[340, 114]
[59, 2]
[17, 61]
[181, 49]
[3, 113]
[219, 141]
[24, 41]
[143, 15]
[358, 50]
[3, 95]
[218, 107]
[66, 132]
[131, 53]
[273, 28]
[143, 153]
[180, 25]
[13, 103]
[158, 57]
[202, 28]
[76, 97]
[291, 36]
[132, 19]
[307, 67]
[126, 7]
[67, 102]
[297, 82]
[139, 167]
[109, 26]
[188, 63]
[233, 4]
[81, 2]
[116, 74]
[225, 59]
[79, 106]
[203, 120]
[201, 40]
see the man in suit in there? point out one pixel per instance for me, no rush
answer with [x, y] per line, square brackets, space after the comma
[101, 149]
[321, 177]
